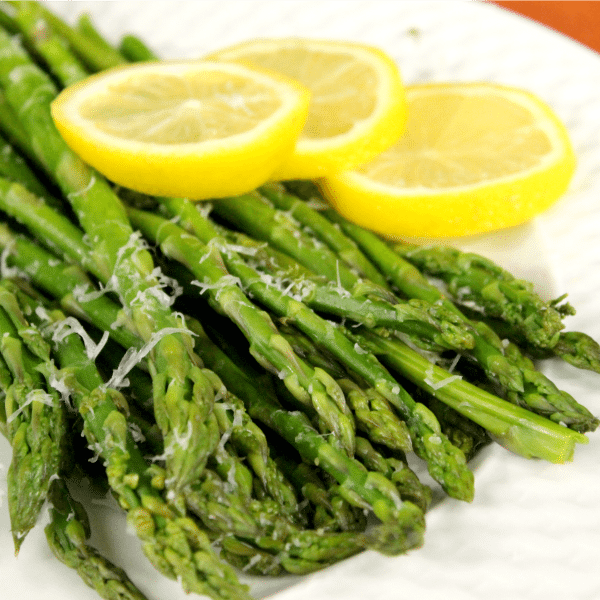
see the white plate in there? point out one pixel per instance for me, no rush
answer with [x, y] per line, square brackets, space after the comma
[533, 531]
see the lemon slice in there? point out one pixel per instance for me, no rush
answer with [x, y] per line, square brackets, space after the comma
[358, 104]
[475, 158]
[195, 129]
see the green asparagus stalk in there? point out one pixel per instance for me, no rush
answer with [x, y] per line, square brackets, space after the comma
[374, 415]
[266, 530]
[329, 510]
[7, 20]
[574, 347]
[472, 279]
[182, 395]
[170, 538]
[516, 428]
[523, 384]
[67, 535]
[45, 222]
[444, 461]
[35, 419]
[461, 431]
[313, 388]
[15, 134]
[252, 214]
[304, 347]
[59, 280]
[411, 283]
[396, 469]
[14, 168]
[392, 538]
[48, 45]
[86, 26]
[244, 435]
[263, 543]
[324, 230]
[543, 396]
[69, 528]
[428, 325]
[135, 49]
[62, 281]
[401, 528]
[97, 56]
[6, 381]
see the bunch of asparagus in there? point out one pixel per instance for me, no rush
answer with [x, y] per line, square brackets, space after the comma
[256, 374]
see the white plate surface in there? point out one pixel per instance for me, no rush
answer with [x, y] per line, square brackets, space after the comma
[533, 530]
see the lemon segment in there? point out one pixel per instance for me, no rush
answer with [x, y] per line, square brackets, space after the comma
[195, 129]
[475, 157]
[358, 103]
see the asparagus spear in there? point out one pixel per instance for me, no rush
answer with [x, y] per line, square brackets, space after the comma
[393, 537]
[324, 230]
[574, 347]
[262, 542]
[311, 387]
[262, 269]
[60, 280]
[516, 428]
[396, 469]
[373, 413]
[330, 511]
[48, 45]
[69, 527]
[7, 20]
[135, 50]
[445, 463]
[97, 56]
[472, 279]
[410, 282]
[543, 396]
[14, 168]
[35, 419]
[182, 395]
[263, 534]
[45, 222]
[252, 214]
[170, 538]
[229, 507]
[14, 132]
[402, 525]
[461, 431]
[67, 535]
[87, 27]
[6, 381]
[522, 383]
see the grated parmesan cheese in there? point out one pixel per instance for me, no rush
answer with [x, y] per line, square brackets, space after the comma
[359, 350]
[454, 363]
[7, 271]
[33, 396]
[42, 314]
[70, 325]
[436, 385]
[223, 282]
[133, 357]
[83, 191]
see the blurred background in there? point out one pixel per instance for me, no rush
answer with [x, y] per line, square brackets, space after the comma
[580, 20]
